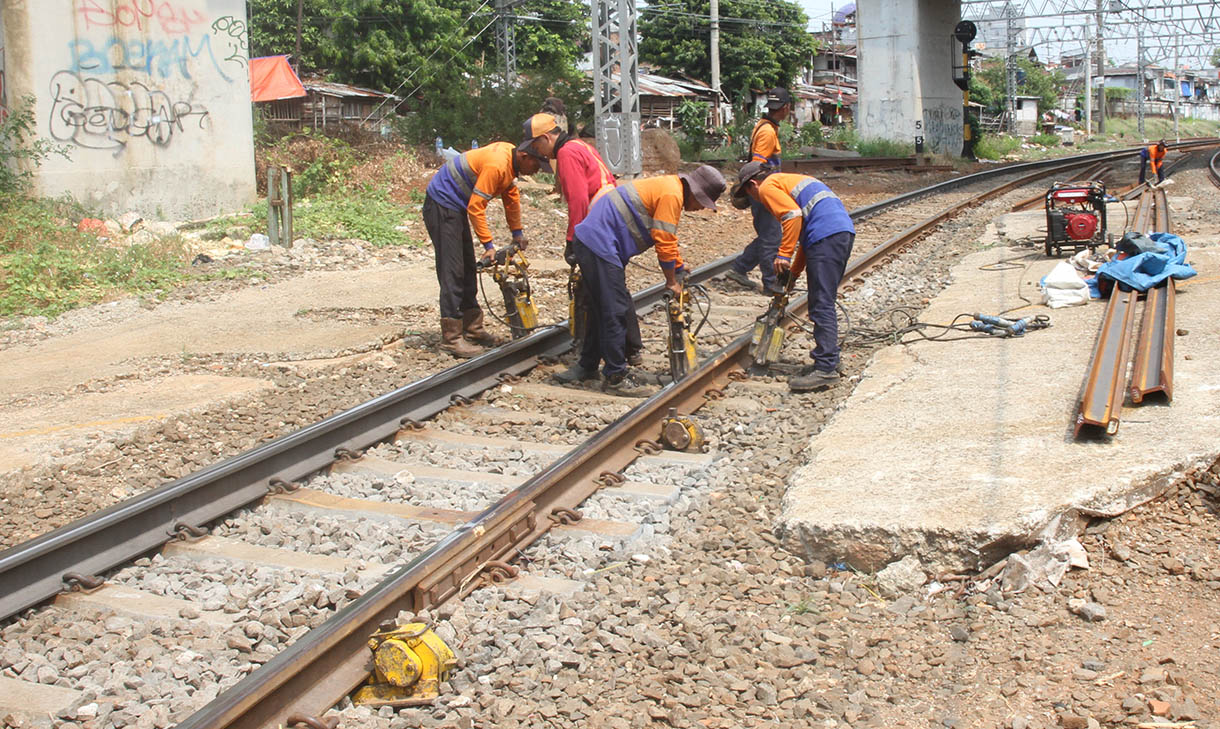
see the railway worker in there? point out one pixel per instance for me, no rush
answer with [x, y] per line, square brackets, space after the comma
[1154, 153]
[621, 224]
[583, 177]
[764, 148]
[811, 214]
[456, 199]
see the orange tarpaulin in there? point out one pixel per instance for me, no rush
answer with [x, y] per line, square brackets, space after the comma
[272, 79]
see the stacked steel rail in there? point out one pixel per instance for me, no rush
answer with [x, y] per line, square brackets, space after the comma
[327, 662]
[1105, 385]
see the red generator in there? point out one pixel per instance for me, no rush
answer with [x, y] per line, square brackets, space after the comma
[1075, 216]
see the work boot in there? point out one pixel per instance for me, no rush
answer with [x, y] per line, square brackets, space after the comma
[627, 384]
[575, 374]
[741, 280]
[472, 329]
[454, 343]
[635, 359]
[775, 290]
[814, 380]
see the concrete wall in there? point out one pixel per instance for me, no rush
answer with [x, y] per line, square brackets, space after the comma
[150, 97]
[906, 56]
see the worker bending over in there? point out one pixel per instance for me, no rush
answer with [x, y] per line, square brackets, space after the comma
[765, 149]
[1154, 153]
[809, 212]
[457, 198]
[583, 177]
[621, 224]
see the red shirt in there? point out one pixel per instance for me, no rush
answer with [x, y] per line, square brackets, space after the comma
[583, 177]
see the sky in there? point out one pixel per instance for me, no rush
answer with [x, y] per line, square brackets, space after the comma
[819, 12]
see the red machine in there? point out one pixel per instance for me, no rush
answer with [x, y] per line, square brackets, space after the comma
[1075, 216]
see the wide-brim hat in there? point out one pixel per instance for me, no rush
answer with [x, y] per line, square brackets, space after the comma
[748, 172]
[706, 184]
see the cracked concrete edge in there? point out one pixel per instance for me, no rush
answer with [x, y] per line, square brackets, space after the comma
[869, 547]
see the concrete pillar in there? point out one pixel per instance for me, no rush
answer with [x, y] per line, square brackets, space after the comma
[906, 56]
[150, 99]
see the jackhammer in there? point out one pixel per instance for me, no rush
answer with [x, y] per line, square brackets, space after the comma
[578, 307]
[509, 269]
[682, 353]
[768, 336]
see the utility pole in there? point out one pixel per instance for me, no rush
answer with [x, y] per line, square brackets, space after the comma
[1010, 77]
[1088, 89]
[1177, 92]
[1101, 71]
[296, 58]
[1139, 81]
[716, 62]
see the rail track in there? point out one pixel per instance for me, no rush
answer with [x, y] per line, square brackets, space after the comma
[518, 506]
[1213, 169]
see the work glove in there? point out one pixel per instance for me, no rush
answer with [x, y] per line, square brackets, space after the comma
[520, 240]
[569, 255]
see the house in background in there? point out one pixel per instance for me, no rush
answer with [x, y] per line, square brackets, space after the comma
[282, 98]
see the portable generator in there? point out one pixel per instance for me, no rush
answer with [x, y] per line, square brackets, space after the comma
[1075, 216]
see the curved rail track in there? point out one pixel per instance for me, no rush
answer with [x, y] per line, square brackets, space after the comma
[325, 663]
[1213, 169]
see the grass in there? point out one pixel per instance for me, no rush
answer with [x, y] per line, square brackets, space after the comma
[47, 267]
[996, 146]
[877, 147]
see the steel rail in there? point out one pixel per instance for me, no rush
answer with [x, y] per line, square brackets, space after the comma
[327, 663]
[1105, 385]
[1213, 169]
[33, 571]
[1153, 371]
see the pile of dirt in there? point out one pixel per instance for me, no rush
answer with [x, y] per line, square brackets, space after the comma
[660, 151]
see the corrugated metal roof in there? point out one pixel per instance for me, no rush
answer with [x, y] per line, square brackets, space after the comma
[654, 85]
[343, 90]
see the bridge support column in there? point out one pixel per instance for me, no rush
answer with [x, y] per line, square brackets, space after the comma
[907, 52]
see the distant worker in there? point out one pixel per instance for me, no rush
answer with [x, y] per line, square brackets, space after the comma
[456, 198]
[764, 148]
[623, 223]
[1154, 153]
[583, 177]
[811, 214]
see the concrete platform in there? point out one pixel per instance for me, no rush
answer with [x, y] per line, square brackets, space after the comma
[978, 435]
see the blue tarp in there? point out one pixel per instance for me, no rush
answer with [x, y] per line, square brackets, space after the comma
[1146, 270]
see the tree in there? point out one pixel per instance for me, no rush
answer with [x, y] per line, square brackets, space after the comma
[436, 43]
[989, 86]
[762, 44]
[1216, 56]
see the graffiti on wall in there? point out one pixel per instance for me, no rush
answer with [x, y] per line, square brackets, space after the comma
[141, 15]
[943, 128]
[97, 114]
[231, 33]
[154, 57]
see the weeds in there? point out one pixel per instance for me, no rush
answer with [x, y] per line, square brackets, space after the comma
[21, 149]
[996, 146]
[877, 147]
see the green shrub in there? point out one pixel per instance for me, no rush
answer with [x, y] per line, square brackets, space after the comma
[877, 147]
[1046, 140]
[21, 149]
[692, 118]
[995, 146]
[845, 136]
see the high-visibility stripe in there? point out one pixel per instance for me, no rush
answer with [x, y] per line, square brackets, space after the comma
[808, 206]
[667, 227]
[790, 215]
[619, 197]
[481, 194]
[456, 167]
